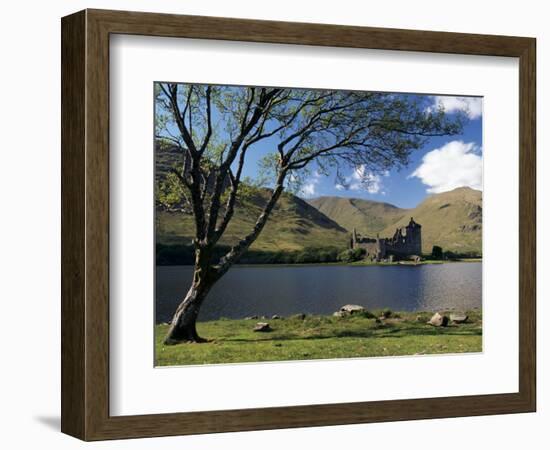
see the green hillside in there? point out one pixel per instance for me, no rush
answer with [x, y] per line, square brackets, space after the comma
[452, 220]
[293, 225]
[295, 231]
[367, 216]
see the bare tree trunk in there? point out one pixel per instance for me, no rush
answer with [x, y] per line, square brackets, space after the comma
[183, 327]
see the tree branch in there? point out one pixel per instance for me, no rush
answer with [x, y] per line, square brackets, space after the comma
[221, 177]
[208, 120]
[238, 250]
[230, 205]
[195, 185]
[172, 95]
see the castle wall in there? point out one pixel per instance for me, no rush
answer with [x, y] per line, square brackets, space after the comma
[403, 248]
[406, 241]
[373, 250]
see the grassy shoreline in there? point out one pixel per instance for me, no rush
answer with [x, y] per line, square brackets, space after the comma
[321, 337]
[174, 254]
[411, 263]
[352, 264]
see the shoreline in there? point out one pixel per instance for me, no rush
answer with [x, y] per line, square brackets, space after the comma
[372, 313]
[352, 264]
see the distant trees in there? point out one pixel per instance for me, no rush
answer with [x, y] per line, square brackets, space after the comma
[352, 255]
[178, 254]
[216, 128]
[437, 252]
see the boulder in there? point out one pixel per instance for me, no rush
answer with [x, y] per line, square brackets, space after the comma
[275, 317]
[439, 320]
[350, 309]
[458, 318]
[251, 318]
[262, 327]
[300, 316]
[339, 314]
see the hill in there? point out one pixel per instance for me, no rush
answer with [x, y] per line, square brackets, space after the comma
[452, 220]
[295, 231]
[293, 225]
[367, 216]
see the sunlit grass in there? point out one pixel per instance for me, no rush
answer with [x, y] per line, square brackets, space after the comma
[321, 337]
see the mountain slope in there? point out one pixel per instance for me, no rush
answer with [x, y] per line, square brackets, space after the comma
[368, 217]
[293, 225]
[452, 220]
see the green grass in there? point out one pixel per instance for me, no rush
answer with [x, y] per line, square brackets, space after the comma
[320, 337]
[366, 262]
[411, 263]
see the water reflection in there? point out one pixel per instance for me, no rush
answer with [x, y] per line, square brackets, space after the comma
[285, 290]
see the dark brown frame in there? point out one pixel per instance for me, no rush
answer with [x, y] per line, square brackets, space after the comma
[85, 224]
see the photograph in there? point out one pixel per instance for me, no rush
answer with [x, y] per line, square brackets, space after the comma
[302, 224]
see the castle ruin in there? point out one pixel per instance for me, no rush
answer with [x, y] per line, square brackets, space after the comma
[405, 243]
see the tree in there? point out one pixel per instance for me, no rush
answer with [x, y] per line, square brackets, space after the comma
[351, 255]
[216, 127]
[437, 252]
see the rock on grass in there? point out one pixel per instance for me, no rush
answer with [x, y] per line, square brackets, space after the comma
[459, 318]
[262, 327]
[439, 320]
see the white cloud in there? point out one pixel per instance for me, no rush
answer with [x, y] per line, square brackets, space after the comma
[454, 165]
[363, 179]
[472, 106]
[308, 189]
[339, 187]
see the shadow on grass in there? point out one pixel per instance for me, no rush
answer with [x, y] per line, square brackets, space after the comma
[376, 333]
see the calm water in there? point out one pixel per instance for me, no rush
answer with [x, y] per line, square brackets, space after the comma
[285, 290]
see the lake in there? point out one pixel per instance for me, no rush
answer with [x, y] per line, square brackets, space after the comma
[285, 290]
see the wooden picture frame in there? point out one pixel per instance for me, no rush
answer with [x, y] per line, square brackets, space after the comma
[85, 224]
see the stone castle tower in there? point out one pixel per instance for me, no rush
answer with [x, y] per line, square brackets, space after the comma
[405, 242]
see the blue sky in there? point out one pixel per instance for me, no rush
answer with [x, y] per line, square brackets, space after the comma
[443, 164]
